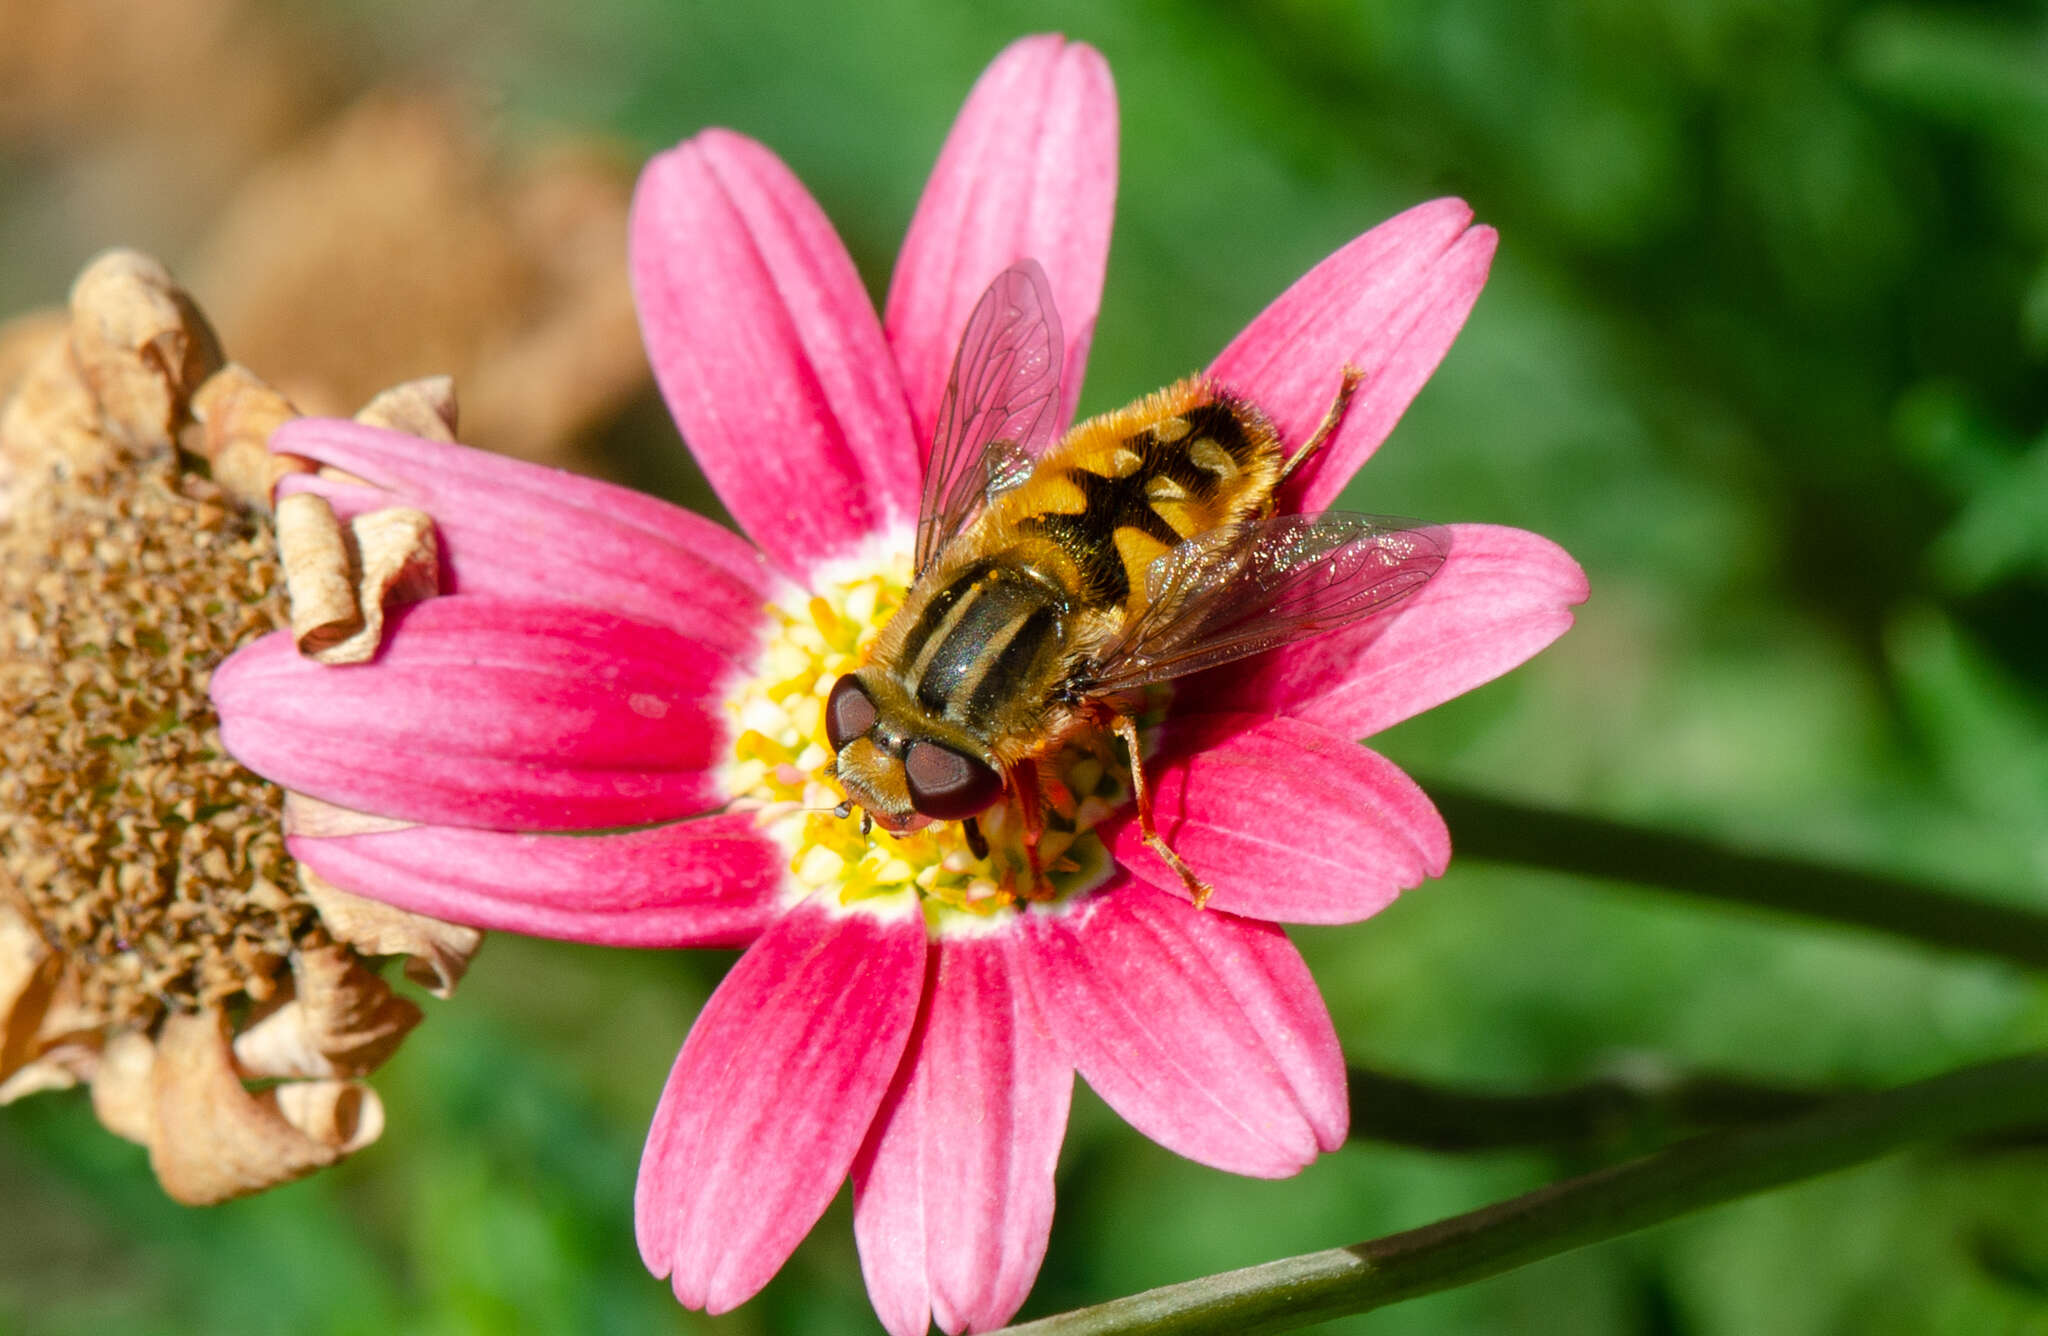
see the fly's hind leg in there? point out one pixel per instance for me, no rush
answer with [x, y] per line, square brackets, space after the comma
[1333, 418]
[1198, 890]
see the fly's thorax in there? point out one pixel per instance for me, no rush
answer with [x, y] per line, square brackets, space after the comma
[978, 651]
[1121, 490]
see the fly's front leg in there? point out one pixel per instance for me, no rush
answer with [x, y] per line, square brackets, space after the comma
[1333, 418]
[1198, 890]
[1031, 806]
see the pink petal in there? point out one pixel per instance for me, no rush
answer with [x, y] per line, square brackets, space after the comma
[1203, 1029]
[772, 1095]
[1389, 304]
[709, 882]
[488, 712]
[1503, 595]
[952, 1195]
[770, 356]
[1287, 821]
[517, 530]
[1028, 172]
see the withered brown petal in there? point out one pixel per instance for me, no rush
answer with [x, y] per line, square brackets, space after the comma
[423, 408]
[123, 1087]
[438, 953]
[346, 1115]
[51, 417]
[142, 345]
[399, 563]
[319, 577]
[306, 815]
[58, 1068]
[237, 412]
[341, 581]
[212, 1140]
[28, 977]
[342, 1020]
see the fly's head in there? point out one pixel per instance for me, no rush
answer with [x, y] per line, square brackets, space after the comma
[902, 767]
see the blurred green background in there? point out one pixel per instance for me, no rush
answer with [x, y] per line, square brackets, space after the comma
[1766, 347]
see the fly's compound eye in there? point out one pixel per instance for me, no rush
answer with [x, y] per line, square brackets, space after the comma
[849, 713]
[947, 785]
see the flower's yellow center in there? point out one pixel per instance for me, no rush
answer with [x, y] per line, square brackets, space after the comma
[781, 766]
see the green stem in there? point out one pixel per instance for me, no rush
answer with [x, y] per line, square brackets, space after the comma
[1496, 831]
[1704, 1171]
[1606, 1114]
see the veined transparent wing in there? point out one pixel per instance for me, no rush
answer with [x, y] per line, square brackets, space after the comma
[1256, 586]
[1003, 393]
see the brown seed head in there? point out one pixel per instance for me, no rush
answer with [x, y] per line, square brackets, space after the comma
[156, 939]
[136, 844]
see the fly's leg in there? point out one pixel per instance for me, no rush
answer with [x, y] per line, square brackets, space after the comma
[977, 843]
[1198, 890]
[1332, 419]
[1031, 806]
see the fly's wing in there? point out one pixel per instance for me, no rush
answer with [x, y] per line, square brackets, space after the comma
[1251, 587]
[1000, 406]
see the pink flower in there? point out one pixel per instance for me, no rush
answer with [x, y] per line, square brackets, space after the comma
[608, 727]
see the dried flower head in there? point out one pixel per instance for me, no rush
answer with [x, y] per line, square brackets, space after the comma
[156, 939]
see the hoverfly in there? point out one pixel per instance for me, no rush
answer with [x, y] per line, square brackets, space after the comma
[1055, 581]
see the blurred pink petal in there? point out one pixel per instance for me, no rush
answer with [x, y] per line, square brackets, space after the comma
[772, 1095]
[765, 344]
[1028, 172]
[1287, 821]
[1389, 304]
[1204, 1030]
[518, 530]
[953, 1193]
[1503, 595]
[488, 712]
[708, 882]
